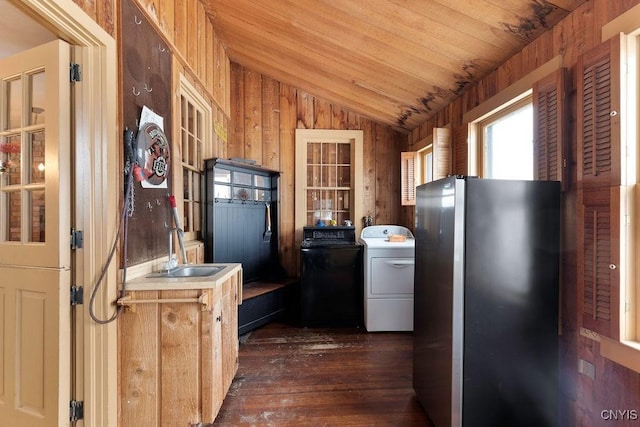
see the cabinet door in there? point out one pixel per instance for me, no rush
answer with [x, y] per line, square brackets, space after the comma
[229, 331]
[213, 391]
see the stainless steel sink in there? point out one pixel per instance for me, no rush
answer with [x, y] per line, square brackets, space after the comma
[189, 271]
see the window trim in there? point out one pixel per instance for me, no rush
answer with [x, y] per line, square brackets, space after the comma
[194, 97]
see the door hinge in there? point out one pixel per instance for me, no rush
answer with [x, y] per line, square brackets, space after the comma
[77, 295]
[76, 410]
[75, 73]
[77, 239]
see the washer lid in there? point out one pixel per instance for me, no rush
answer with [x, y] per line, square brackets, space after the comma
[384, 243]
[384, 231]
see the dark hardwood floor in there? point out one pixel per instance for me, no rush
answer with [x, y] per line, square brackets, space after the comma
[322, 377]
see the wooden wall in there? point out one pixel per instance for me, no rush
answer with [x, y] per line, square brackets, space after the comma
[187, 35]
[265, 114]
[189, 32]
[614, 386]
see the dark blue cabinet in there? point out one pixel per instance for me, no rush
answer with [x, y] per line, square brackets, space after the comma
[241, 204]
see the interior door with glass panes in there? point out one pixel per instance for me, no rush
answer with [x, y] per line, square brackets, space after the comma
[35, 259]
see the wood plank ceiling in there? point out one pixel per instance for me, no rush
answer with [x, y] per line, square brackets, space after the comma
[395, 61]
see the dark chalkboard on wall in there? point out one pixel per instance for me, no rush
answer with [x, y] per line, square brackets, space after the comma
[146, 81]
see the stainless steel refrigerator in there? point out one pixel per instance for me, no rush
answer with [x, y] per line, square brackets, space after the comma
[486, 302]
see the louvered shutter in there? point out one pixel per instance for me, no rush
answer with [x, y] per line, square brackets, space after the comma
[408, 178]
[461, 150]
[598, 260]
[598, 77]
[550, 128]
[441, 153]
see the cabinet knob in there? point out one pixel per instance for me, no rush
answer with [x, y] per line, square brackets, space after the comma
[612, 267]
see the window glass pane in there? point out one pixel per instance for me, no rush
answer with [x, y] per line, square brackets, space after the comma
[222, 191]
[241, 178]
[509, 146]
[186, 223]
[10, 161]
[222, 175]
[344, 154]
[13, 215]
[186, 177]
[261, 181]
[183, 112]
[313, 201]
[190, 119]
[344, 176]
[262, 195]
[329, 153]
[242, 194]
[36, 148]
[343, 200]
[184, 141]
[313, 153]
[37, 211]
[196, 217]
[428, 167]
[14, 104]
[192, 147]
[313, 176]
[195, 186]
[329, 176]
[36, 98]
[199, 140]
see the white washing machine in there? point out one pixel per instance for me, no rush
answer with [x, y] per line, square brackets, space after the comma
[389, 260]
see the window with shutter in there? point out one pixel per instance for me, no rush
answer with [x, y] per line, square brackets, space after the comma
[550, 128]
[599, 162]
[599, 259]
[408, 178]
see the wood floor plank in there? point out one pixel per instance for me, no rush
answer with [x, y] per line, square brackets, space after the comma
[322, 377]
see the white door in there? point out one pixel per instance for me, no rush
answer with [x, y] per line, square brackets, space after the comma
[35, 255]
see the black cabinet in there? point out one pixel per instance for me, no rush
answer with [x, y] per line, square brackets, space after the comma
[241, 217]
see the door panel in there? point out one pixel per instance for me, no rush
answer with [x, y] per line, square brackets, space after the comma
[35, 257]
[34, 151]
[35, 356]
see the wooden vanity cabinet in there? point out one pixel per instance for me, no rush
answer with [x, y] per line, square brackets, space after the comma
[178, 352]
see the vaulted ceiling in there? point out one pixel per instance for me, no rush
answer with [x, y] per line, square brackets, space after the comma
[395, 61]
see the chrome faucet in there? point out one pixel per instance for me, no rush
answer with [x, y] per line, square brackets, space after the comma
[172, 261]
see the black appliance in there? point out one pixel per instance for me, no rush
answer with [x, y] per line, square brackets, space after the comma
[486, 302]
[331, 277]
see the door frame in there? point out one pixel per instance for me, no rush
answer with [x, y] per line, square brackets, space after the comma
[94, 168]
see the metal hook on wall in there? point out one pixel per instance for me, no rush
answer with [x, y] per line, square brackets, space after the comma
[137, 20]
[161, 48]
[148, 89]
[134, 92]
